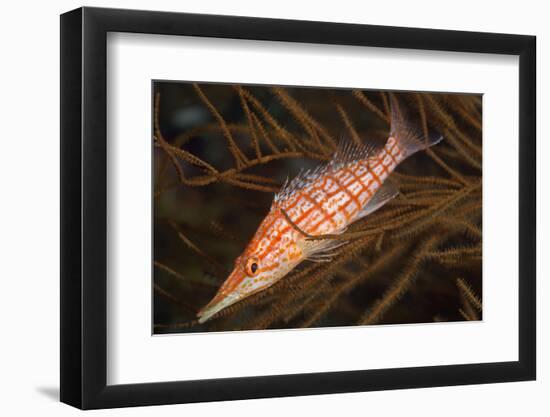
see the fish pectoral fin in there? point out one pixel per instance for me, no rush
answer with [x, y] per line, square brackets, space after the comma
[384, 194]
[322, 250]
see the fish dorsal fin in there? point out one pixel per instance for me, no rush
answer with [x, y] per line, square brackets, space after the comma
[300, 181]
[384, 194]
[349, 151]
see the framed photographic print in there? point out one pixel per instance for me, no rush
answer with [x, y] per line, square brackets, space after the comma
[258, 207]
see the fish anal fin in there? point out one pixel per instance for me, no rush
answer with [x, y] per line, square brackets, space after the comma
[384, 194]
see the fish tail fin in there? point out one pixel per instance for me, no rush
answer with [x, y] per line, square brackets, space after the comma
[409, 138]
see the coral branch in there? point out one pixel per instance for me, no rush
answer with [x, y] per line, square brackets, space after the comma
[469, 293]
[433, 226]
[399, 287]
[240, 158]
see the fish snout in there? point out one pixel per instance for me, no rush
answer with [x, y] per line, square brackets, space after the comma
[227, 295]
[218, 303]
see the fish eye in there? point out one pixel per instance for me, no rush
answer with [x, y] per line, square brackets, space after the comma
[252, 266]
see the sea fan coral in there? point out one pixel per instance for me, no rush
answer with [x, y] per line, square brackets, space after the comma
[220, 153]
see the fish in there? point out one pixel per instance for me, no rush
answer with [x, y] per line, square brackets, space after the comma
[325, 200]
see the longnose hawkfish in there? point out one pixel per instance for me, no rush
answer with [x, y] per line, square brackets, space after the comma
[322, 201]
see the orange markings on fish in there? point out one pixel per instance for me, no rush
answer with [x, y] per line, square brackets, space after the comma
[317, 203]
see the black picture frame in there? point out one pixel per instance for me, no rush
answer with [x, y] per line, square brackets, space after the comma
[84, 207]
